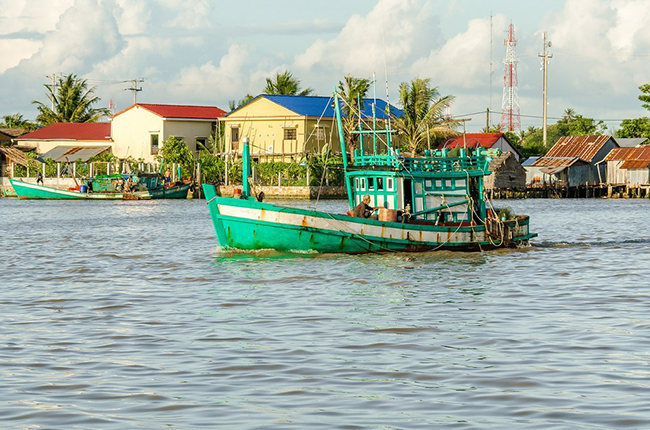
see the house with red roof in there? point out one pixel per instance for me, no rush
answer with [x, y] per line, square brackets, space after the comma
[140, 130]
[63, 137]
[483, 140]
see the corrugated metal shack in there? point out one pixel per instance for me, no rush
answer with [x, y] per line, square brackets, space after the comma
[628, 166]
[572, 162]
[507, 174]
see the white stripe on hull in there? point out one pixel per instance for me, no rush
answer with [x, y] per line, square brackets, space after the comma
[365, 230]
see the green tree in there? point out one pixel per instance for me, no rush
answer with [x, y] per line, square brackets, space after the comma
[285, 84]
[573, 124]
[645, 96]
[72, 101]
[232, 104]
[17, 121]
[423, 114]
[175, 150]
[352, 91]
[637, 127]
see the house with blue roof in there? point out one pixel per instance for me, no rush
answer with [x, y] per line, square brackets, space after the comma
[282, 127]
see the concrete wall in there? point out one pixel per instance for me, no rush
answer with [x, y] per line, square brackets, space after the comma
[189, 131]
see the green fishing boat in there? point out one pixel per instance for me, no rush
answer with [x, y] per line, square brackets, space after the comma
[425, 203]
[28, 190]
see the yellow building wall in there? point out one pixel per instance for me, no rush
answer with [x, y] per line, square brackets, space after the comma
[264, 123]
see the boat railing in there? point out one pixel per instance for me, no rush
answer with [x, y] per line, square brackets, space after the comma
[431, 164]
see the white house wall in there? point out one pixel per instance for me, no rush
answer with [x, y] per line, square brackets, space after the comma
[131, 132]
[188, 130]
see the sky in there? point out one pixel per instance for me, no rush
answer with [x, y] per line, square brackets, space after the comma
[204, 52]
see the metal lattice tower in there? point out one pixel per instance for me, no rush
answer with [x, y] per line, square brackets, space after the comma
[510, 114]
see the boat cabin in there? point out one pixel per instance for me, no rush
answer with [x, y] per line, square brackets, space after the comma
[435, 188]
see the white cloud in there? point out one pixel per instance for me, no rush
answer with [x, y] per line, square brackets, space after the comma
[397, 29]
[84, 34]
[14, 51]
[211, 83]
[463, 60]
[601, 45]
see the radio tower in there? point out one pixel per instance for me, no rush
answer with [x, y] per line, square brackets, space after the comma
[510, 114]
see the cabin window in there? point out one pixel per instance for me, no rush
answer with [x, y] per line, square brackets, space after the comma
[234, 138]
[356, 183]
[320, 133]
[389, 184]
[363, 184]
[371, 183]
[154, 144]
[418, 187]
[290, 134]
[380, 184]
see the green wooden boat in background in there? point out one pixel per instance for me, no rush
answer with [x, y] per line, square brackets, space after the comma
[28, 190]
[428, 203]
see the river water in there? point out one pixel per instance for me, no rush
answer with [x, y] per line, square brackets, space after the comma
[124, 315]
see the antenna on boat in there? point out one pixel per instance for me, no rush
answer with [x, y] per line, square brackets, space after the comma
[383, 33]
[374, 112]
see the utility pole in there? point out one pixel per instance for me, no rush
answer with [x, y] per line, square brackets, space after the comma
[491, 69]
[545, 60]
[134, 88]
[53, 77]
[487, 120]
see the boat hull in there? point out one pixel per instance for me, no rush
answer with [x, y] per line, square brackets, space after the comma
[175, 192]
[251, 225]
[26, 190]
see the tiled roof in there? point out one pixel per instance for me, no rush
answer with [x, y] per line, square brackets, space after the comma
[71, 131]
[583, 147]
[633, 158]
[473, 140]
[180, 111]
[317, 106]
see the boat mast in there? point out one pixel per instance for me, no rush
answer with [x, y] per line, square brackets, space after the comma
[344, 153]
[374, 113]
[246, 165]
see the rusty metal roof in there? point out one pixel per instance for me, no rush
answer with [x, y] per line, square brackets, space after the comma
[633, 158]
[635, 164]
[583, 147]
[618, 154]
[556, 161]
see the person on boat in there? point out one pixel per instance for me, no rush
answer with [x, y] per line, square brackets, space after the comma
[364, 210]
[168, 175]
[39, 178]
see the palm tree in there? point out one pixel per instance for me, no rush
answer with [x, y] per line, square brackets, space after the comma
[232, 104]
[423, 114]
[285, 84]
[16, 121]
[72, 101]
[352, 91]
